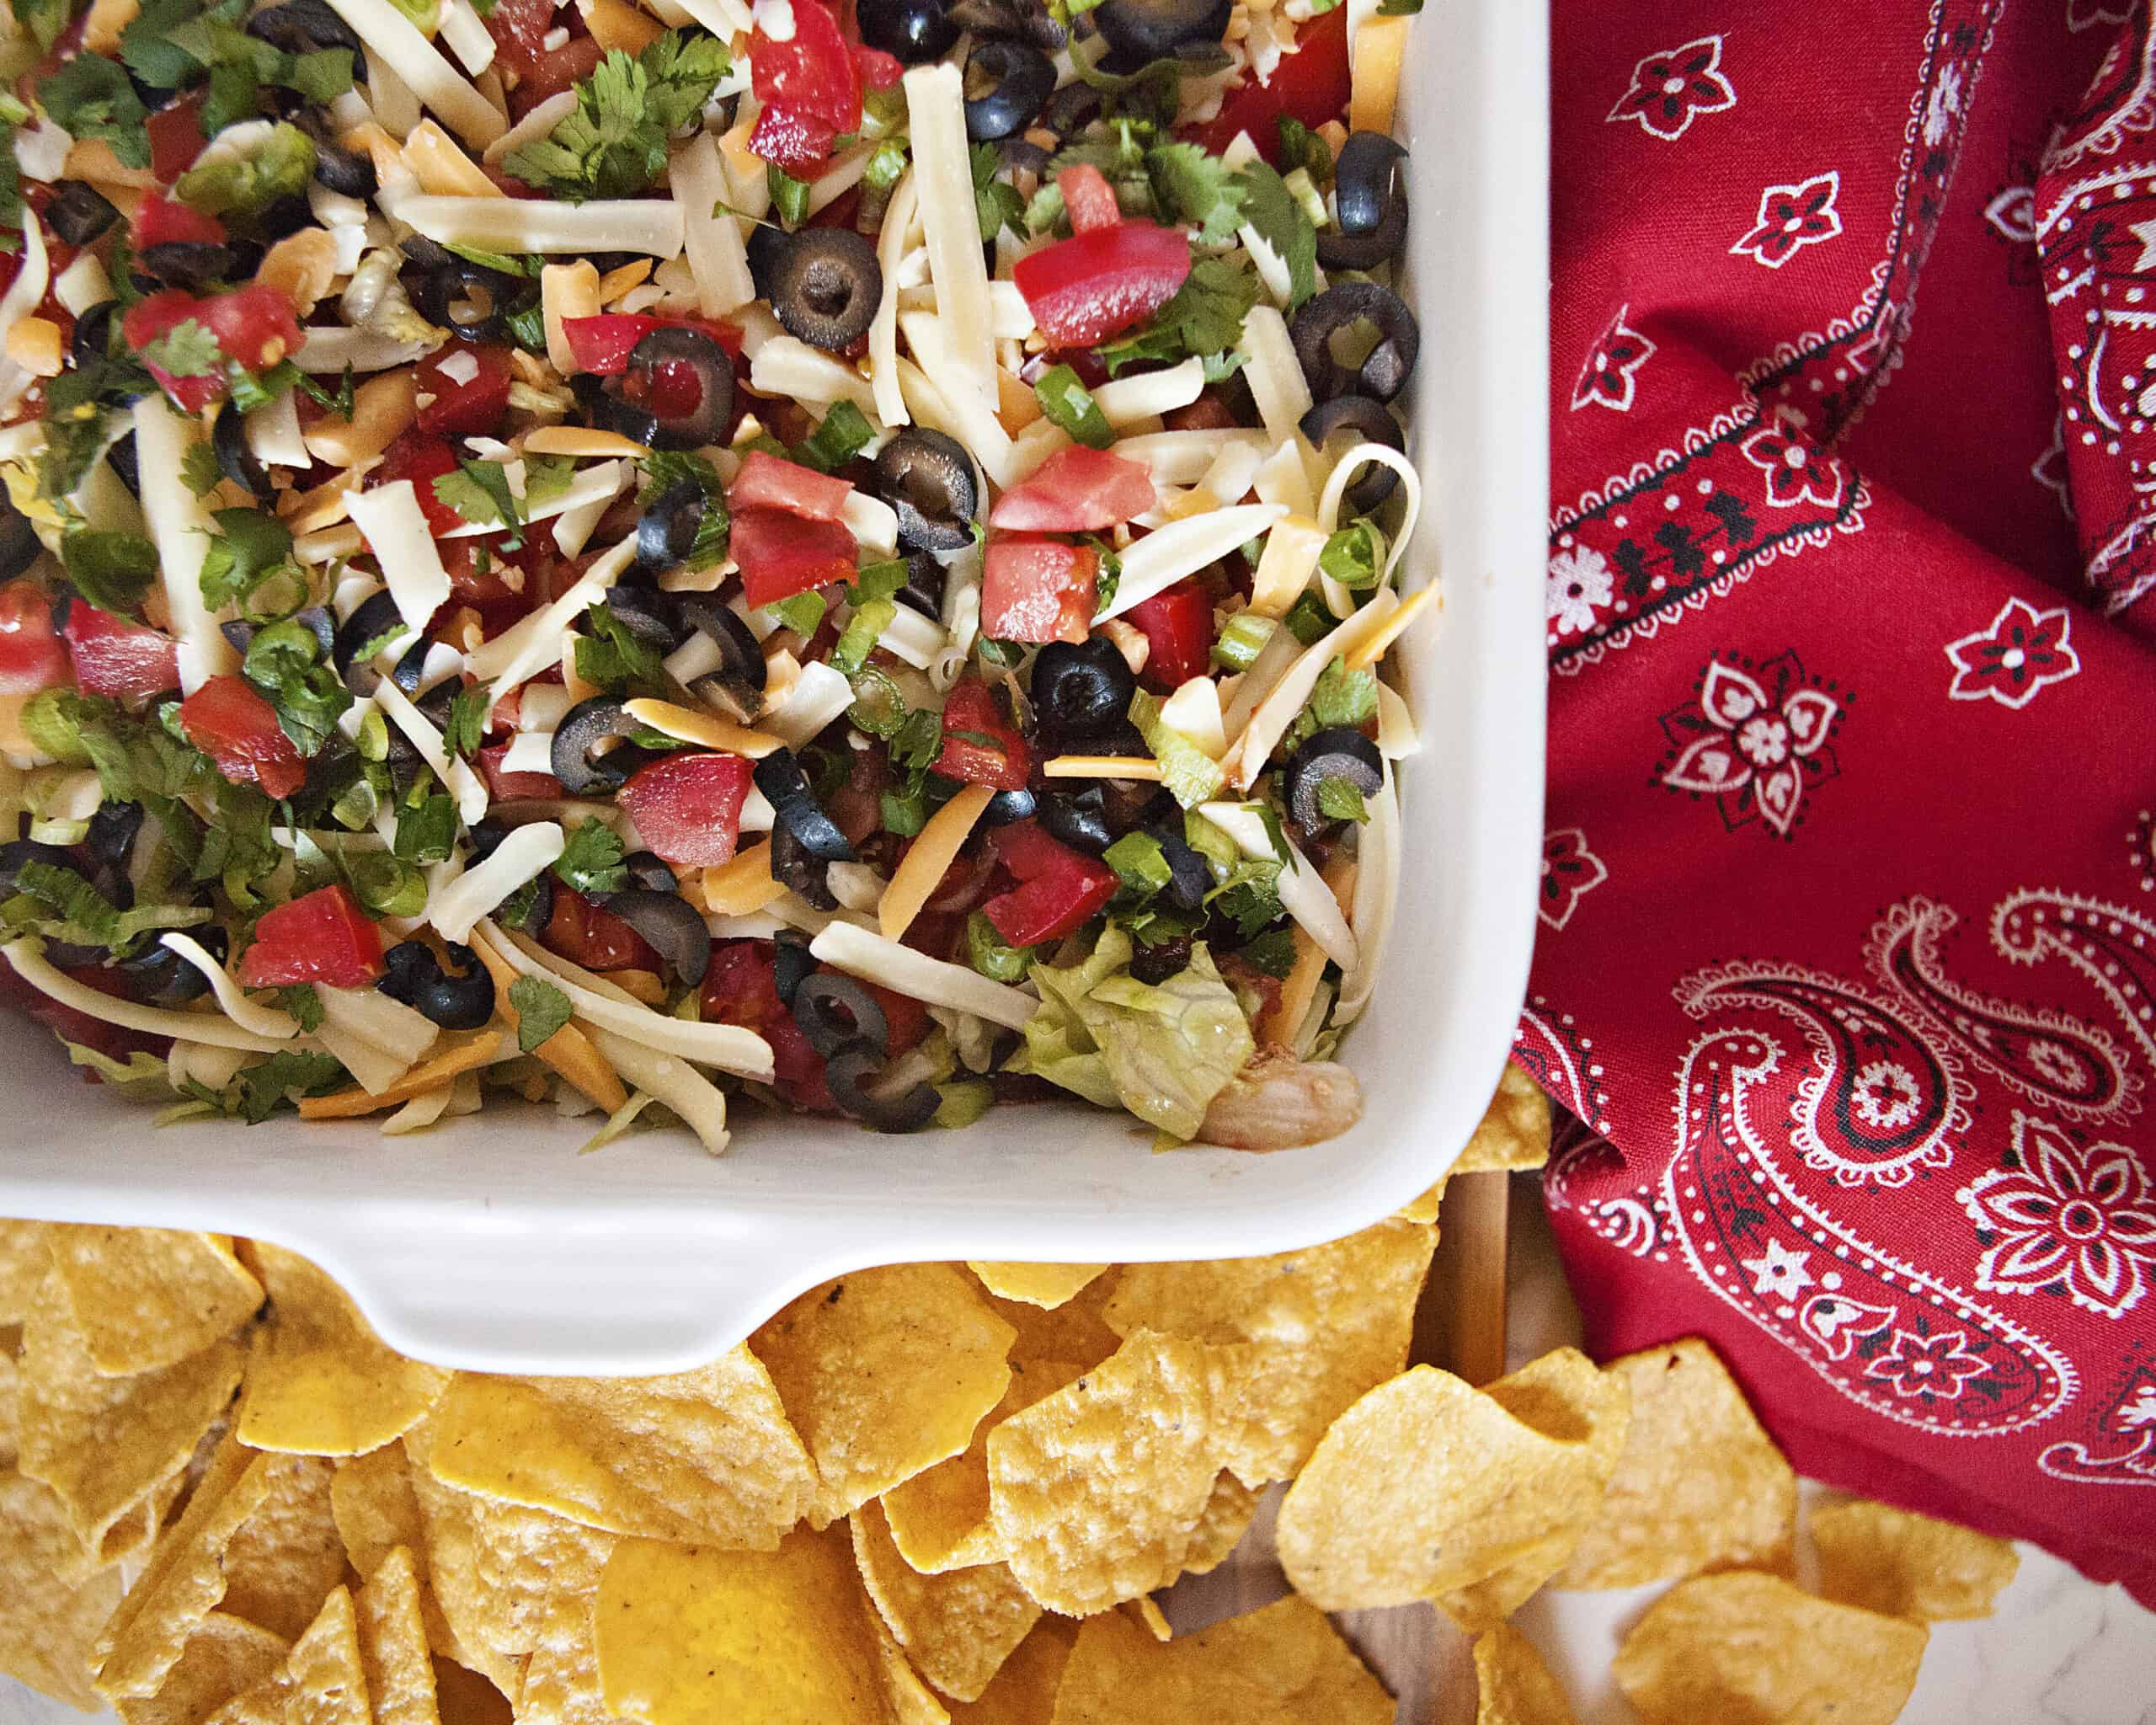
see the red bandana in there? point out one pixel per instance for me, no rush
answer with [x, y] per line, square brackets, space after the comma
[1849, 948]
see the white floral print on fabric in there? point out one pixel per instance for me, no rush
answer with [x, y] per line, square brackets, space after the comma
[1671, 89]
[2065, 1215]
[1792, 218]
[2023, 651]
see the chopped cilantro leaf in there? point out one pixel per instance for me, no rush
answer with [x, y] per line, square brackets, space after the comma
[591, 861]
[614, 144]
[187, 350]
[199, 469]
[997, 204]
[1282, 223]
[111, 569]
[541, 1008]
[1196, 189]
[91, 97]
[479, 492]
[248, 547]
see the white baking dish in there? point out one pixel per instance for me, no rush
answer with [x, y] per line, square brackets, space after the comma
[490, 1244]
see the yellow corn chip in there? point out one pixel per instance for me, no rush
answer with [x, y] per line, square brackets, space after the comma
[376, 1509]
[1147, 1616]
[1301, 1334]
[322, 1680]
[1514, 1687]
[225, 1656]
[25, 1257]
[1699, 1485]
[1284, 1665]
[1902, 1565]
[393, 1645]
[1515, 1131]
[1561, 1396]
[909, 1700]
[885, 1372]
[287, 1555]
[560, 1679]
[957, 1628]
[702, 1455]
[1023, 1692]
[1095, 1491]
[1425, 1208]
[319, 1381]
[106, 1443]
[1747, 1646]
[691, 1636]
[939, 1519]
[56, 1604]
[1075, 1330]
[146, 1298]
[1229, 1512]
[1043, 1284]
[1424, 1486]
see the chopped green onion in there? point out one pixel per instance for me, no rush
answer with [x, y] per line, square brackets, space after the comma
[991, 955]
[1242, 639]
[386, 885]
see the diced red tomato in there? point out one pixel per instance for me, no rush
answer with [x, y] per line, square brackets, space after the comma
[252, 327]
[236, 728]
[117, 658]
[765, 481]
[161, 220]
[31, 655]
[1059, 888]
[519, 28]
[1178, 626]
[465, 406]
[981, 745]
[809, 87]
[597, 939]
[1089, 197]
[422, 457]
[906, 1017]
[503, 786]
[1311, 85]
[1092, 285]
[321, 937]
[1076, 491]
[176, 137]
[879, 71]
[1038, 589]
[602, 345]
[741, 987]
[688, 807]
[782, 554]
[557, 71]
[1208, 413]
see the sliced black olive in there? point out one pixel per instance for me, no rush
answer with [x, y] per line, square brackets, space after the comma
[910, 31]
[1006, 83]
[737, 686]
[304, 27]
[78, 213]
[1029, 20]
[924, 588]
[799, 869]
[468, 299]
[1021, 155]
[191, 264]
[848, 1069]
[1371, 199]
[20, 545]
[1140, 31]
[1155, 965]
[462, 999]
[666, 532]
[17, 851]
[343, 171]
[285, 216]
[583, 728]
[651, 871]
[93, 337]
[1190, 876]
[779, 777]
[1078, 818]
[1371, 422]
[1071, 110]
[1008, 806]
[676, 347]
[372, 620]
[1081, 691]
[928, 479]
[826, 286]
[608, 412]
[792, 962]
[235, 460]
[113, 831]
[767, 245]
[651, 616]
[675, 930]
[832, 1009]
[157, 976]
[317, 618]
[121, 455]
[1384, 371]
[1338, 753]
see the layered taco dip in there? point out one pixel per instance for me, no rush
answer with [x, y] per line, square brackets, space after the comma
[631, 556]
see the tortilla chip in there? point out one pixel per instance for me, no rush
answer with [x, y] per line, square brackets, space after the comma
[1515, 1131]
[957, 1628]
[1075, 1330]
[1424, 1486]
[374, 1506]
[1698, 1485]
[1284, 1665]
[1748, 1646]
[1514, 1687]
[286, 1556]
[939, 1519]
[1023, 1692]
[319, 1381]
[105, 1444]
[25, 1257]
[705, 1455]
[56, 1602]
[1300, 1335]
[688, 1636]
[1043, 1284]
[393, 1645]
[1229, 1512]
[886, 1372]
[560, 1679]
[1425, 1208]
[1561, 1396]
[1147, 1616]
[1095, 1491]
[322, 1680]
[909, 1700]
[225, 1656]
[1901, 1564]
[147, 1298]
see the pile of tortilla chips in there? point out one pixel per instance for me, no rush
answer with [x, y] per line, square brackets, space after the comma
[926, 1493]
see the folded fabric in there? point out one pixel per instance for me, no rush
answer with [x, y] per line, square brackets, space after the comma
[1848, 962]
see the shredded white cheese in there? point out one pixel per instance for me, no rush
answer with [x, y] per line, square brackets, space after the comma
[1124, 401]
[396, 531]
[521, 857]
[820, 696]
[717, 256]
[1304, 894]
[467, 35]
[901, 216]
[786, 366]
[469, 789]
[331, 350]
[213, 1028]
[936, 107]
[1276, 378]
[859, 952]
[1159, 560]
[374, 1018]
[247, 1014]
[701, 1104]
[376, 1068]
[647, 225]
[531, 643]
[1377, 892]
[388, 32]
[181, 527]
[273, 433]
